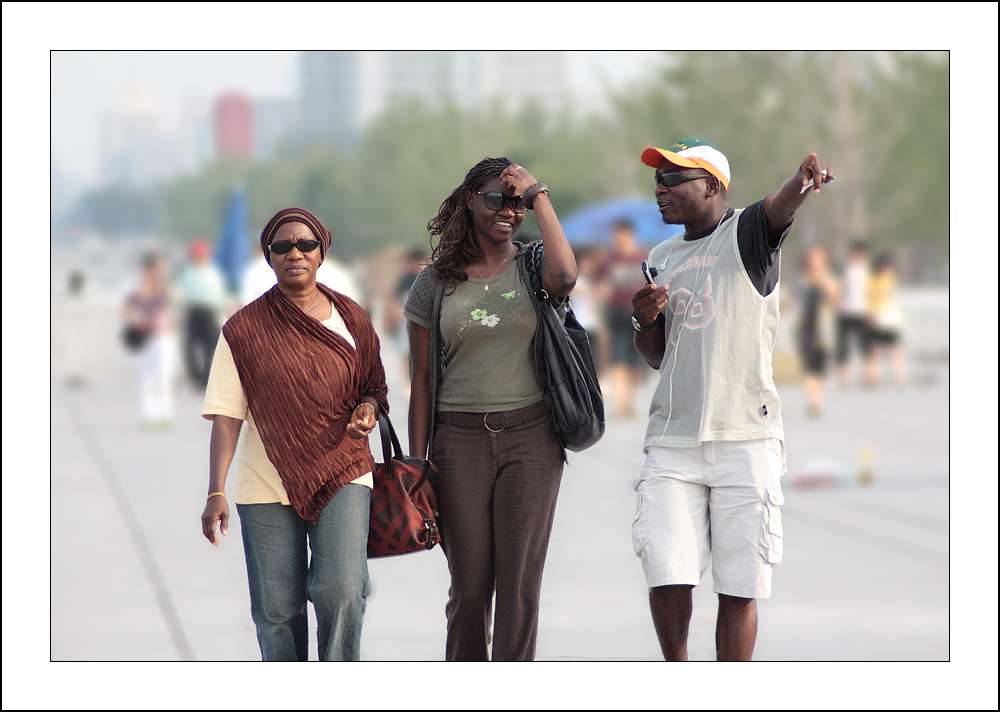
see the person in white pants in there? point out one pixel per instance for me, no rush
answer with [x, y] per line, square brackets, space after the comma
[147, 312]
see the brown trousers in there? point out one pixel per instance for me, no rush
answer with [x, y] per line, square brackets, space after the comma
[497, 496]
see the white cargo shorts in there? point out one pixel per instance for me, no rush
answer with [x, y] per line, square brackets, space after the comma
[716, 502]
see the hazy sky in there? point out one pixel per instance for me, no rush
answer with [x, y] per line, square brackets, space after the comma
[86, 84]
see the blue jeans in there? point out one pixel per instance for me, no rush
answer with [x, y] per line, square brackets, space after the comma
[335, 577]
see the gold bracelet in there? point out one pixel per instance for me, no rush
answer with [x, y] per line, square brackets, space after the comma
[217, 493]
[367, 404]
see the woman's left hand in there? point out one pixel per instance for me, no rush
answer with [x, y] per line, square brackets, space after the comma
[363, 421]
[516, 179]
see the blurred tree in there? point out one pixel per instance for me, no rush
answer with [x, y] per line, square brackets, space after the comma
[195, 205]
[880, 118]
[908, 151]
[118, 211]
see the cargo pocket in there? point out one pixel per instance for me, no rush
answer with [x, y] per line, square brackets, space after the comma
[638, 525]
[771, 548]
[778, 450]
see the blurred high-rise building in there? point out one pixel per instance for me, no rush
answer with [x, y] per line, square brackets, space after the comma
[330, 95]
[434, 75]
[342, 91]
[234, 124]
[517, 78]
[195, 134]
[133, 149]
[277, 127]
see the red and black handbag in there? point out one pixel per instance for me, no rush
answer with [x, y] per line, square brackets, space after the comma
[404, 507]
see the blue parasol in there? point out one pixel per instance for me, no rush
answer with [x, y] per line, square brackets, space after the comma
[593, 224]
[233, 250]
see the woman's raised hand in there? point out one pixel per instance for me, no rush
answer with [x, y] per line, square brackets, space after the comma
[517, 178]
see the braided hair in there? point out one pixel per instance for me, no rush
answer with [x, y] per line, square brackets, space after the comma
[457, 247]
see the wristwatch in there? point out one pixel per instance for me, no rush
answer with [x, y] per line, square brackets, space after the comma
[639, 327]
[532, 192]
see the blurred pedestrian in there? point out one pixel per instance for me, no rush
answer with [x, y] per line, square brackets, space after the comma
[203, 292]
[589, 300]
[886, 323]
[339, 277]
[301, 366]
[710, 486]
[624, 278]
[478, 407]
[852, 321]
[149, 334]
[257, 279]
[77, 324]
[416, 260]
[819, 301]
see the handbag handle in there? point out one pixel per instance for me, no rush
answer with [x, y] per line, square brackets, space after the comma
[388, 435]
[395, 450]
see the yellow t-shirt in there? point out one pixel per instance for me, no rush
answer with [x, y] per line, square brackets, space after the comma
[883, 310]
[257, 481]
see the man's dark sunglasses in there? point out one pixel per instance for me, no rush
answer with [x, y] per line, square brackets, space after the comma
[284, 247]
[669, 180]
[495, 200]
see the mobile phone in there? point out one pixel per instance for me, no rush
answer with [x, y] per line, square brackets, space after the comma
[649, 273]
[810, 184]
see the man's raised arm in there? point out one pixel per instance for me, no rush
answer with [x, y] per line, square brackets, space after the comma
[780, 206]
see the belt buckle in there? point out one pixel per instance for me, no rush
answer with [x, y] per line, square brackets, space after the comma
[487, 425]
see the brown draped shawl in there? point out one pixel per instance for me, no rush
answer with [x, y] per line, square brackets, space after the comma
[302, 382]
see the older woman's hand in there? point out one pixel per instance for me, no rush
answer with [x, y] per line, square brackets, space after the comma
[216, 510]
[363, 421]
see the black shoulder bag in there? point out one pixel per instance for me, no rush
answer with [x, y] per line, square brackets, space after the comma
[571, 379]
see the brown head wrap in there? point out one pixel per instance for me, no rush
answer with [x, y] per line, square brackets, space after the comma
[294, 215]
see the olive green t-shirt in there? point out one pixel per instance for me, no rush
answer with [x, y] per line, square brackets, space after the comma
[487, 338]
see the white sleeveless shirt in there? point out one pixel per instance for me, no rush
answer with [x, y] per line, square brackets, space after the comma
[716, 381]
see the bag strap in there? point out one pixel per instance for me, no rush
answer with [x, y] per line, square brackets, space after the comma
[388, 435]
[534, 265]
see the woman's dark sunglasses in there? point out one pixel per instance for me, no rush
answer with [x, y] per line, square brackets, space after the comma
[284, 247]
[669, 180]
[495, 200]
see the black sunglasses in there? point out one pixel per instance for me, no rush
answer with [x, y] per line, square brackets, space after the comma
[495, 200]
[669, 180]
[284, 247]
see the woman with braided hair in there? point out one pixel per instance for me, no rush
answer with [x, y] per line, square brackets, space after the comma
[477, 407]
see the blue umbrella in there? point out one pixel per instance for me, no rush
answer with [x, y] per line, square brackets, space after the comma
[593, 225]
[233, 250]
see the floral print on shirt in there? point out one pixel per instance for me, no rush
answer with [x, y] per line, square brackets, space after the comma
[491, 308]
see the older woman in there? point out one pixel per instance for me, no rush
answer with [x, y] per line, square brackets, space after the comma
[478, 406]
[301, 366]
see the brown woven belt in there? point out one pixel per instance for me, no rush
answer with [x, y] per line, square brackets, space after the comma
[494, 422]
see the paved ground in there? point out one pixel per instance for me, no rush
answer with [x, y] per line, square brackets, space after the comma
[865, 575]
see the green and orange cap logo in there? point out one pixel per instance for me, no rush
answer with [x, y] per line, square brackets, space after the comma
[691, 153]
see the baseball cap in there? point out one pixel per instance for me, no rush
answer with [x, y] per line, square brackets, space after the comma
[691, 153]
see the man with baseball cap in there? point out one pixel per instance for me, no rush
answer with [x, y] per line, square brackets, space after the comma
[710, 487]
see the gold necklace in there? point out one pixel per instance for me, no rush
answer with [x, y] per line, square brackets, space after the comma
[314, 303]
[487, 287]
